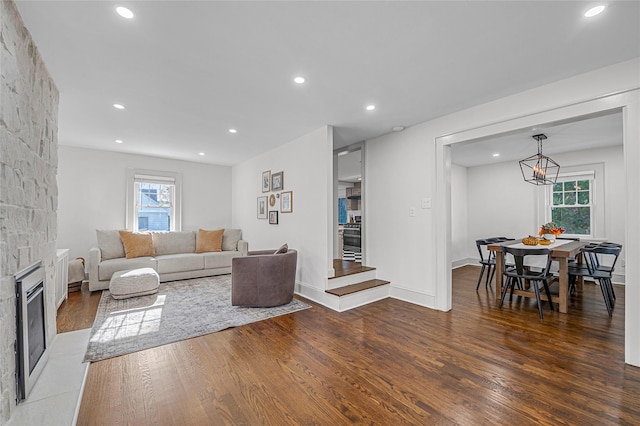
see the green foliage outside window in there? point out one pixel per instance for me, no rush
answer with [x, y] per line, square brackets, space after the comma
[571, 207]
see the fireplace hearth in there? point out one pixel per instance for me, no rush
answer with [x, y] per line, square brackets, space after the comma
[31, 325]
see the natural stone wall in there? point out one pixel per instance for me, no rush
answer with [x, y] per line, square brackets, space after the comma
[28, 188]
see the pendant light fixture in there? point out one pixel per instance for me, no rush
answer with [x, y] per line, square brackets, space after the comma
[539, 169]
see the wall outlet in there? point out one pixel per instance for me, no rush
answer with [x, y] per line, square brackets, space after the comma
[426, 203]
[412, 211]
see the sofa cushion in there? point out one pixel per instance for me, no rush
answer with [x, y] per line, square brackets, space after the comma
[110, 244]
[182, 262]
[173, 242]
[107, 268]
[230, 239]
[137, 244]
[219, 260]
[209, 240]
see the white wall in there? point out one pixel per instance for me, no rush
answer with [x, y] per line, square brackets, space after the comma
[92, 194]
[459, 215]
[307, 163]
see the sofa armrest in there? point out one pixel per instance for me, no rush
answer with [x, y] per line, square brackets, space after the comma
[243, 247]
[95, 257]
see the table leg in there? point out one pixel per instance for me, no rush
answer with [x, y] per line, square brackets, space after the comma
[563, 284]
[499, 260]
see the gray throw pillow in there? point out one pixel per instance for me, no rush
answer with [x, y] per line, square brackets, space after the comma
[283, 249]
[230, 239]
[110, 244]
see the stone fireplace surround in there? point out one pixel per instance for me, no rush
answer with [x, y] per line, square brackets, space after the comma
[28, 188]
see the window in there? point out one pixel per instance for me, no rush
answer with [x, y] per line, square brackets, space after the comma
[570, 203]
[153, 201]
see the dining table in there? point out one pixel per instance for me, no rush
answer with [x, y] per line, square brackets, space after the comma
[561, 252]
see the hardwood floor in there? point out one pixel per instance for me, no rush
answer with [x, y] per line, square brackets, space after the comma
[79, 310]
[389, 362]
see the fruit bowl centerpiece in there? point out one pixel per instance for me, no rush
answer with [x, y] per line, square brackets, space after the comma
[550, 231]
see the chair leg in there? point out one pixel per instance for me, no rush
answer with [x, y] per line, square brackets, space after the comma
[490, 273]
[480, 277]
[513, 285]
[613, 293]
[612, 299]
[537, 291]
[605, 295]
[572, 284]
[505, 287]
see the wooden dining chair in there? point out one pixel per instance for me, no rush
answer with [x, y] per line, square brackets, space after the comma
[518, 272]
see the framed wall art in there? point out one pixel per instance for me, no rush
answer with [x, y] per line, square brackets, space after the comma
[277, 181]
[266, 181]
[273, 217]
[262, 207]
[286, 202]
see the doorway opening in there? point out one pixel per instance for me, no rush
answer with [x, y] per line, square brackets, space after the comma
[350, 201]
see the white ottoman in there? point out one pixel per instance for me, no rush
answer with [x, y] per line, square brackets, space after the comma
[134, 282]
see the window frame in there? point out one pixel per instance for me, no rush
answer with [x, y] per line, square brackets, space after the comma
[570, 177]
[595, 174]
[134, 176]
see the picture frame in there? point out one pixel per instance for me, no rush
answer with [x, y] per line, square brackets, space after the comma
[277, 181]
[262, 207]
[286, 202]
[266, 181]
[273, 217]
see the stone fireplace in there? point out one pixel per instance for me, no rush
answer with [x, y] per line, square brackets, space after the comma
[28, 187]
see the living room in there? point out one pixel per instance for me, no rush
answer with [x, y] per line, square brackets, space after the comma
[402, 168]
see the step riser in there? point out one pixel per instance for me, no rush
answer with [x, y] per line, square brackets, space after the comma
[364, 297]
[351, 279]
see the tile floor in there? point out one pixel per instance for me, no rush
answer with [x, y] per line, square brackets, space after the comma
[55, 398]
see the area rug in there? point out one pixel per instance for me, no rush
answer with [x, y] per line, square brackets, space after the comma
[180, 310]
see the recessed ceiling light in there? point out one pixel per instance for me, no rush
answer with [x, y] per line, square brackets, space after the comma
[341, 153]
[397, 128]
[497, 154]
[233, 131]
[118, 106]
[370, 107]
[124, 12]
[594, 11]
[118, 140]
[359, 178]
[201, 154]
[299, 80]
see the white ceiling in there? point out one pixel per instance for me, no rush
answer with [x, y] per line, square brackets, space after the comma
[187, 71]
[579, 135]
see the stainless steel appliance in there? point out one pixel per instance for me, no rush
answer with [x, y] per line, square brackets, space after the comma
[352, 237]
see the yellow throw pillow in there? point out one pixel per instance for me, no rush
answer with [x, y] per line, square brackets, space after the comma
[209, 240]
[137, 245]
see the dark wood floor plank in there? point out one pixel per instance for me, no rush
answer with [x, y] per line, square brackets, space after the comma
[78, 311]
[389, 362]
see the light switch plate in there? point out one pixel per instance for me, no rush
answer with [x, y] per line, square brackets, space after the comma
[426, 203]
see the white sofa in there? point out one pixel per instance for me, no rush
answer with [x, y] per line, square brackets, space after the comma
[175, 257]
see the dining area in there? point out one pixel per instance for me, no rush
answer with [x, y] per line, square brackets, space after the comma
[550, 269]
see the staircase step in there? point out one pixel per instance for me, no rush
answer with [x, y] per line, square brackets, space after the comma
[354, 288]
[344, 268]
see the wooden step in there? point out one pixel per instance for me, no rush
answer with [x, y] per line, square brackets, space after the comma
[354, 288]
[343, 268]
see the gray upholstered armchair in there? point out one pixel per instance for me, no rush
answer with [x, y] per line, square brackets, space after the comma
[263, 279]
